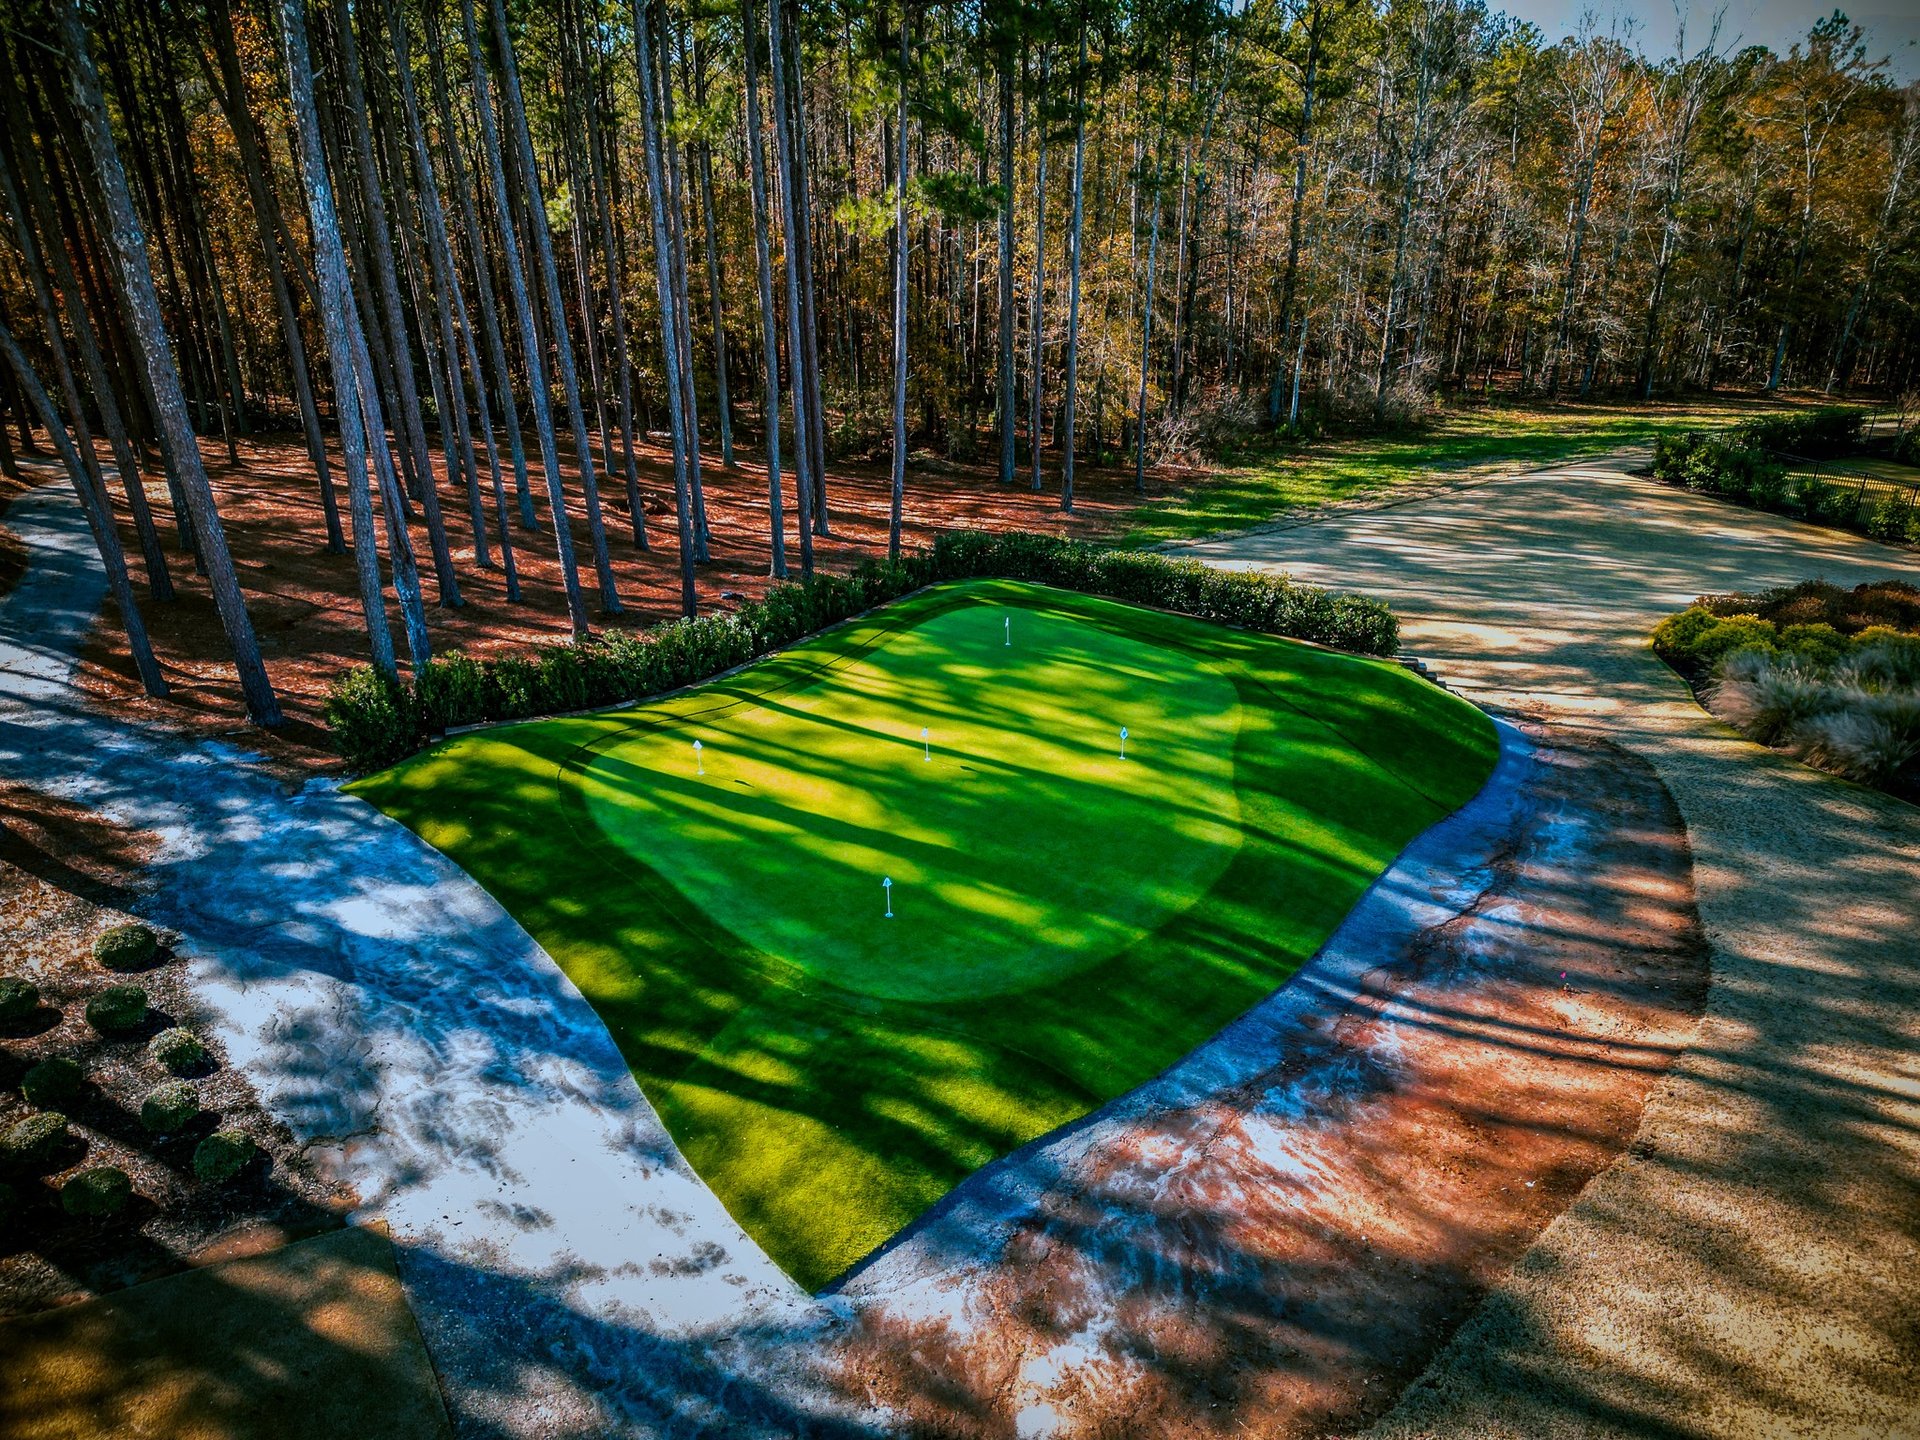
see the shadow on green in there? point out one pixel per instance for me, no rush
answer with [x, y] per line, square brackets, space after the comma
[1067, 922]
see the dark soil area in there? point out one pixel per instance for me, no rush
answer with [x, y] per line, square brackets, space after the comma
[64, 874]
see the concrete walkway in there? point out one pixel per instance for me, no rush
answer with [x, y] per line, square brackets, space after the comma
[1752, 1267]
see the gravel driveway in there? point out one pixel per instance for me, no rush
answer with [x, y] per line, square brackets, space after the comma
[1752, 1265]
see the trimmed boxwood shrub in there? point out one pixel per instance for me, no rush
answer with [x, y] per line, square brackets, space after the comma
[1698, 637]
[18, 998]
[34, 1142]
[169, 1107]
[118, 1009]
[178, 1051]
[53, 1084]
[126, 947]
[96, 1194]
[223, 1155]
[376, 720]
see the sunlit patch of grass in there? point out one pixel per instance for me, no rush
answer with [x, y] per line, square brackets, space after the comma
[1068, 923]
[1262, 486]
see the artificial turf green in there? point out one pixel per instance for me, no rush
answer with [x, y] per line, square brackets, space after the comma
[1067, 923]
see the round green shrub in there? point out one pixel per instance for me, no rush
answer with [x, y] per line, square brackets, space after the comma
[126, 947]
[178, 1051]
[223, 1155]
[1678, 636]
[18, 998]
[117, 1009]
[168, 1107]
[1819, 644]
[97, 1193]
[34, 1141]
[53, 1084]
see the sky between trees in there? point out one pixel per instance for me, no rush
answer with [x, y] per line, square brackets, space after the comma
[471, 253]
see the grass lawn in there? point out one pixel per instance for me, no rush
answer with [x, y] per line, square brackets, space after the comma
[1464, 439]
[1067, 923]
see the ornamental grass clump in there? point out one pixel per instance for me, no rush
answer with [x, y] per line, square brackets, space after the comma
[1814, 670]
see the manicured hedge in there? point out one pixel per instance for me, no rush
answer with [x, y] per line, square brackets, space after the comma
[1745, 464]
[376, 720]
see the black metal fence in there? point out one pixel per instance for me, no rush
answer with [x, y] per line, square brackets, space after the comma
[1857, 498]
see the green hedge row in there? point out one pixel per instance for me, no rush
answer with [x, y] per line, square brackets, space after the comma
[376, 720]
[1740, 464]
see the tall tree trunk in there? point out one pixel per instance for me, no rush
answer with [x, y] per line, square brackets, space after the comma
[446, 284]
[703, 156]
[99, 517]
[600, 164]
[129, 246]
[126, 463]
[529, 332]
[902, 243]
[763, 267]
[1074, 235]
[664, 288]
[337, 315]
[1146, 336]
[809, 371]
[489, 314]
[405, 390]
[676, 237]
[1037, 381]
[1008, 400]
[804, 494]
[232, 95]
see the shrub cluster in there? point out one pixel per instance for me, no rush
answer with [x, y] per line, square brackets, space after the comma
[97, 1193]
[18, 998]
[1831, 430]
[178, 1051]
[169, 1107]
[34, 1142]
[222, 1155]
[1845, 699]
[1742, 464]
[126, 947]
[376, 720]
[53, 1084]
[118, 1009]
[1882, 604]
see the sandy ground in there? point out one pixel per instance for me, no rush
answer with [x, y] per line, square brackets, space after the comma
[1750, 1267]
[310, 1342]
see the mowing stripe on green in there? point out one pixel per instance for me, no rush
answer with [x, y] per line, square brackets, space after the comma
[1067, 923]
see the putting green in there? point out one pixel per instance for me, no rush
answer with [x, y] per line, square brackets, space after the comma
[1067, 922]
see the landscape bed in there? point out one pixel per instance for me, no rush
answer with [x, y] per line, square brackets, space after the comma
[1066, 922]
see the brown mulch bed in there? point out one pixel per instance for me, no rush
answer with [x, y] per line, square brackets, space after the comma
[64, 876]
[305, 604]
